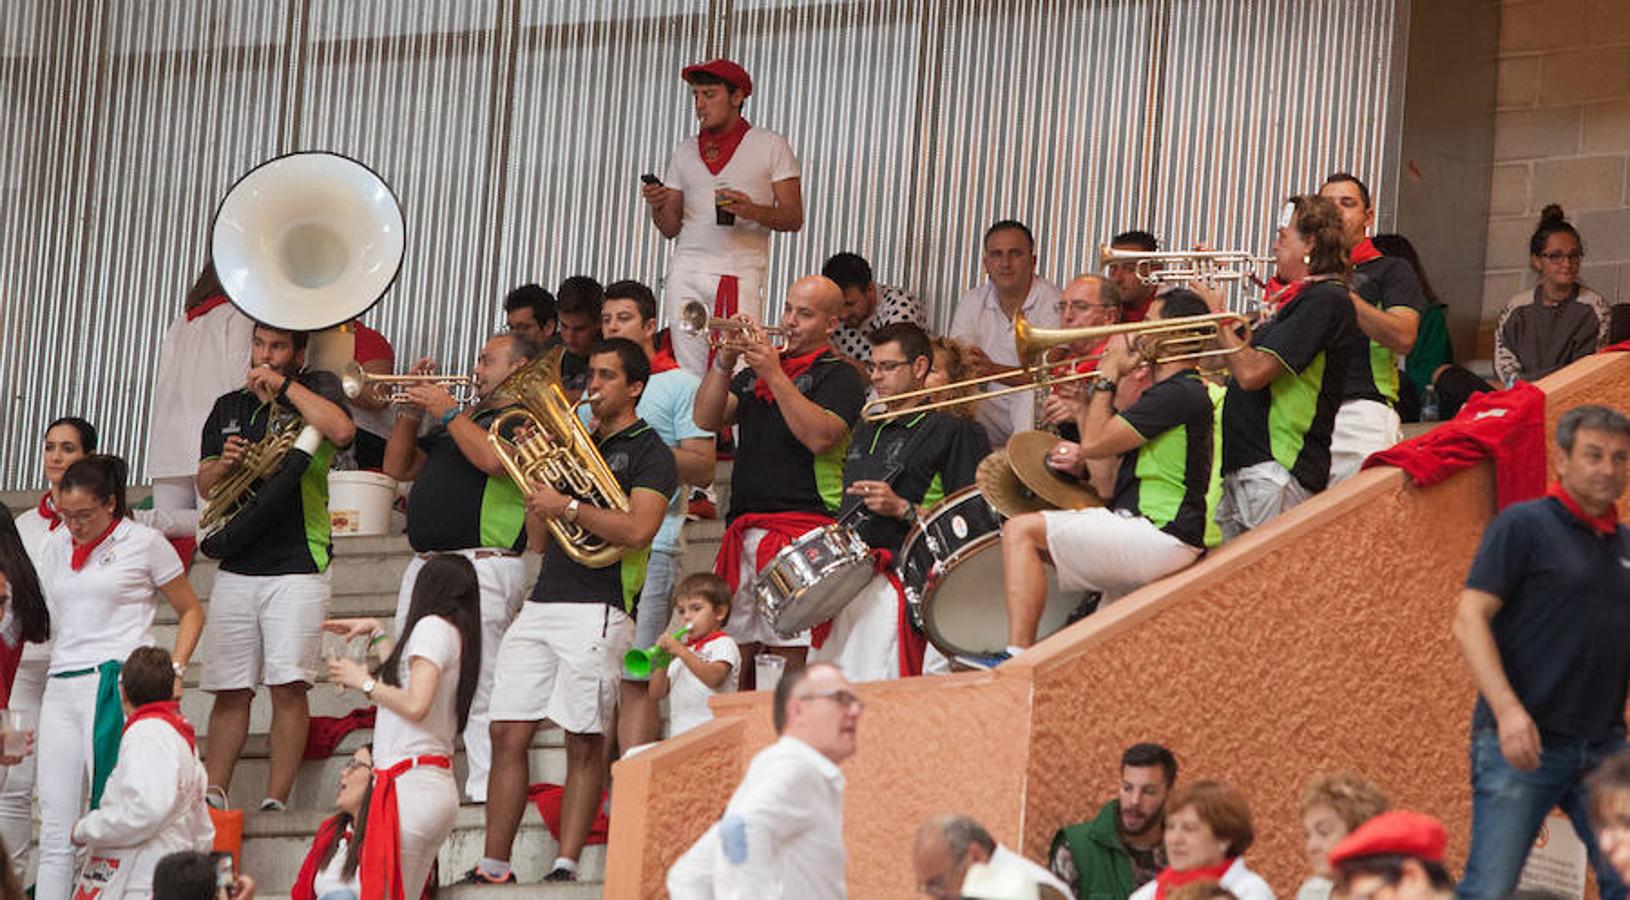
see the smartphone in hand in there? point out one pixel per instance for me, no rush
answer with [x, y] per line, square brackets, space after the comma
[648, 178]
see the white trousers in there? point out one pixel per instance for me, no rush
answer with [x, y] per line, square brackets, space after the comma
[684, 286]
[17, 796]
[1255, 494]
[426, 807]
[503, 585]
[865, 637]
[66, 716]
[746, 624]
[1101, 550]
[1362, 427]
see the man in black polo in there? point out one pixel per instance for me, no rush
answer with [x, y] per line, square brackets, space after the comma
[794, 409]
[271, 594]
[1543, 623]
[464, 502]
[561, 659]
[895, 469]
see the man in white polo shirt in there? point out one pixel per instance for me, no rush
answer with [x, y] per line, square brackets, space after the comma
[724, 192]
[984, 318]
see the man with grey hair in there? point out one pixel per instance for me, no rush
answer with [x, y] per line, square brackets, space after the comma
[463, 502]
[947, 845]
[1541, 623]
[782, 833]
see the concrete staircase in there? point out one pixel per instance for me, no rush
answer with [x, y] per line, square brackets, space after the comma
[365, 576]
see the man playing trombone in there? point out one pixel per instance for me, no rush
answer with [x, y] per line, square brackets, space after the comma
[464, 502]
[1160, 516]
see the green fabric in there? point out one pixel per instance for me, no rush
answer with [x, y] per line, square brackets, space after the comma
[1295, 401]
[1432, 349]
[934, 494]
[503, 512]
[1158, 497]
[633, 575]
[1384, 369]
[1218, 394]
[1103, 868]
[107, 723]
[314, 505]
[829, 474]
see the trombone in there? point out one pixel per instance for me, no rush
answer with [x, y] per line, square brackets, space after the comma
[1159, 341]
[1178, 267]
[694, 319]
[354, 380]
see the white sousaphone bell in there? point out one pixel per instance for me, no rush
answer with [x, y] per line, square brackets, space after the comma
[308, 241]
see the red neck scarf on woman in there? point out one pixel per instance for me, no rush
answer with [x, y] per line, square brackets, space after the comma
[1170, 879]
[167, 711]
[716, 147]
[381, 868]
[1606, 523]
[48, 512]
[82, 552]
[304, 883]
[793, 366]
[1364, 251]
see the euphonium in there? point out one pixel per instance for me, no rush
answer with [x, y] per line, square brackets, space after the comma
[552, 446]
[234, 492]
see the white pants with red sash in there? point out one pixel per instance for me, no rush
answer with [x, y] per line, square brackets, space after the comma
[684, 285]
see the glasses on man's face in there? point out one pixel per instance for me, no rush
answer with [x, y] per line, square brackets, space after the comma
[1562, 256]
[886, 366]
[844, 699]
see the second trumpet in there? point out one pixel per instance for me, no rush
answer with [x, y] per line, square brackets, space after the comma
[694, 319]
[393, 388]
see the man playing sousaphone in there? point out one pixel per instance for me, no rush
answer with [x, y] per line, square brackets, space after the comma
[271, 594]
[894, 469]
[1160, 515]
[794, 410]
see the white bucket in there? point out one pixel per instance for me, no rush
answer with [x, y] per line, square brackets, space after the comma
[360, 502]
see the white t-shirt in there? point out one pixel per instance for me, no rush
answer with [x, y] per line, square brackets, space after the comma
[395, 738]
[105, 610]
[687, 695]
[330, 879]
[199, 360]
[761, 159]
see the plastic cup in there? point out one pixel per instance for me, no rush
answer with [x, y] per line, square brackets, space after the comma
[767, 669]
[15, 726]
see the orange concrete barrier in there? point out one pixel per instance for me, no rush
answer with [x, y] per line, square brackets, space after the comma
[1319, 641]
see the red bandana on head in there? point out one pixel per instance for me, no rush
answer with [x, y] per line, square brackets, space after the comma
[48, 512]
[793, 366]
[1364, 252]
[1170, 879]
[716, 148]
[82, 552]
[1606, 523]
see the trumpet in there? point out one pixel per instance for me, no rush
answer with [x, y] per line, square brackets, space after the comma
[354, 380]
[1158, 341]
[694, 319]
[1177, 267]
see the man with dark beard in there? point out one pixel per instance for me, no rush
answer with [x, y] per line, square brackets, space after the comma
[1120, 849]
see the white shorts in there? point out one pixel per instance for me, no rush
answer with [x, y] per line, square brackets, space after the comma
[263, 629]
[865, 637]
[1362, 427]
[562, 662]
[1109, 552]
[683, 286]
[1255, 494]
[746, 624]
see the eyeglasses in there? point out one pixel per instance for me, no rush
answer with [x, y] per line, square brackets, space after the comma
[1558, 256]
[77, 518]
[844, 699]
[889, 366]
[356, 764]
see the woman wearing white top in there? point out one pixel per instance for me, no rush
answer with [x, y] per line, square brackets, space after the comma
[102, 571]
[1208, 830]
[424, 690]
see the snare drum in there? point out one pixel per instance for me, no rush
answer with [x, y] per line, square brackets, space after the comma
[951, 569]
[812, 578]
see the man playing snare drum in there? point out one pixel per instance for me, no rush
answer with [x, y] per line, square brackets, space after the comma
[895, 468]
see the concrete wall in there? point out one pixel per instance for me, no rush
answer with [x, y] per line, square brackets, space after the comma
[1562, 135]
[1320, 641]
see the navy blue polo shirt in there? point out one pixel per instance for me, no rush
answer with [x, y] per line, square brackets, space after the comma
[1563, 629]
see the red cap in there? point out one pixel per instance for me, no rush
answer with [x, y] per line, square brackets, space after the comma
[1397, 833]
[722, 68]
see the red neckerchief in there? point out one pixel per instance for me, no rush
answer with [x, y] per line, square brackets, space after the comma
[82, 552]
[703, 641]
[1606, 523]
[48, 512]
[1364, 251]
[166, 711]
[1170, 879]
[783, 528]
[203, 308]
[381, 869]
[304, 887]
[663, 361]
[716, 148]
[1278, 293]
[793, 366]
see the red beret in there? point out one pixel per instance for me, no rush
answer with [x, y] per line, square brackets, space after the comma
[1397, 833]
[725, 69]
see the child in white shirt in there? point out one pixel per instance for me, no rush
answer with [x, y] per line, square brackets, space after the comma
[705, 661]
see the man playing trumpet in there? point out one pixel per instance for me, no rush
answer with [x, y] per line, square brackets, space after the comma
[1160, 516]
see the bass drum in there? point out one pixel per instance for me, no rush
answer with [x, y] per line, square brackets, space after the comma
[813, 578]
[951, 569]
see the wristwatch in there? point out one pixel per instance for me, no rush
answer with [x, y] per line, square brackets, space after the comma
[179, 669]
[1102, 384]
[368, 688]
[570, 513]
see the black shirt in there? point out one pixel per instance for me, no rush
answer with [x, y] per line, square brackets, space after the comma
[924, 457]
[296, 539]
[774, 471]
[1289, 420]
[1564, 592]
[456, 506]
[574, 371]
[1386, 282]
[1172, 478]
[639, 461]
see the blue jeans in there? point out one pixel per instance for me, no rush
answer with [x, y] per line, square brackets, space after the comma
[1509, 805]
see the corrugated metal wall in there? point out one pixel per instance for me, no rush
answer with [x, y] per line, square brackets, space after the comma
[514, 132]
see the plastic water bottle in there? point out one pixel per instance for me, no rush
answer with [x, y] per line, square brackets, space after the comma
[1429, 404]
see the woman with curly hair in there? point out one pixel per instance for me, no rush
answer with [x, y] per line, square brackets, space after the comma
[1333, 804]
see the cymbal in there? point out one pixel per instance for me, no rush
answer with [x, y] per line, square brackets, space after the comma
[1002, 489]
[1027, 454]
